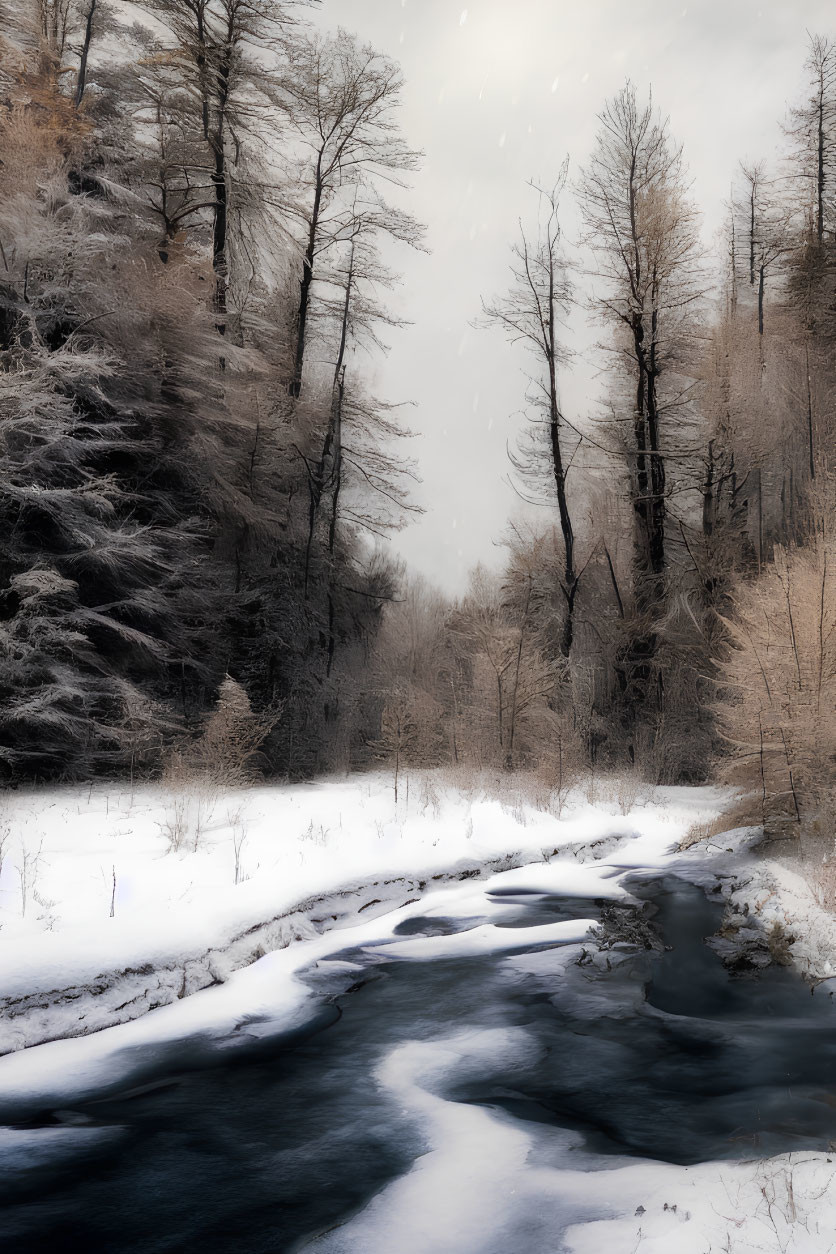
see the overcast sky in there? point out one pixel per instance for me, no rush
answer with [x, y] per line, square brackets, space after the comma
[497, 93]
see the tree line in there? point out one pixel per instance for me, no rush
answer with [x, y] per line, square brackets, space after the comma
[674, 610]
[196, 211]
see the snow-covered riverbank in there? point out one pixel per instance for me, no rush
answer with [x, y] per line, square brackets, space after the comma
[113, 921]
[432, 879]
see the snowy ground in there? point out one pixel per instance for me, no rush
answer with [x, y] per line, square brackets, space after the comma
[337, 864]
[101, 919]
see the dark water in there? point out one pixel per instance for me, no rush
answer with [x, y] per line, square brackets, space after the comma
[664, 1056]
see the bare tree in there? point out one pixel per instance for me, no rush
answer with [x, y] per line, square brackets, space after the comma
[218, 72]
[342, 99]
[768, 228]
[406, 726]
[812, 128]
[55, 28]
[642, 230]
[532, 313]
[56, 20]
[226, 754]
[350, 311]
[356, 473]
[511, 677]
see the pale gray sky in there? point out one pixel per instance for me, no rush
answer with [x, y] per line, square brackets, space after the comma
[498, 93]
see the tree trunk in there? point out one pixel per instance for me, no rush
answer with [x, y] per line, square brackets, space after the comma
[820, 166]
[305, 283]
[760, 298]
[332, 526]
[641, 496]
[85, 52]
[657, 470]
[219, 237]
[319, 479]
[499, 709]
[810, 445]
[649, 496]
[571, 578]
[509, 762]
[614, 582]
[397, 760]
[709, 509]
[569, 574]
[200, 61]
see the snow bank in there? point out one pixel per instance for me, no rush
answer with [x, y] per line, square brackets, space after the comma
[782, 904]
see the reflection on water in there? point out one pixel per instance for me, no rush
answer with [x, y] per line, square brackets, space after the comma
[665, 1055]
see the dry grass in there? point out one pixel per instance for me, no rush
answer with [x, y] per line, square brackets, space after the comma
[822, 879]
[696, 833]
[744, 811]
[538, 789]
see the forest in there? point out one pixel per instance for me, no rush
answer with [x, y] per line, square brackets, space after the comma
[202, 203]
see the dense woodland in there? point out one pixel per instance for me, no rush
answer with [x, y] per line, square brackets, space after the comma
[198, 204]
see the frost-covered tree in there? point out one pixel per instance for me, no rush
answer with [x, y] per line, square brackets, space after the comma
[341, 101]
[75, 562]
[114, 450]
[226, 754]
[211, 88]
[779, 679]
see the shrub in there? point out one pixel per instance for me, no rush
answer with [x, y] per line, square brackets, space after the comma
[226, 754]
[779, 682]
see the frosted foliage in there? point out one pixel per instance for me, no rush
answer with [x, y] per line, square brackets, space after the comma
[227, 752]
[781, 677]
